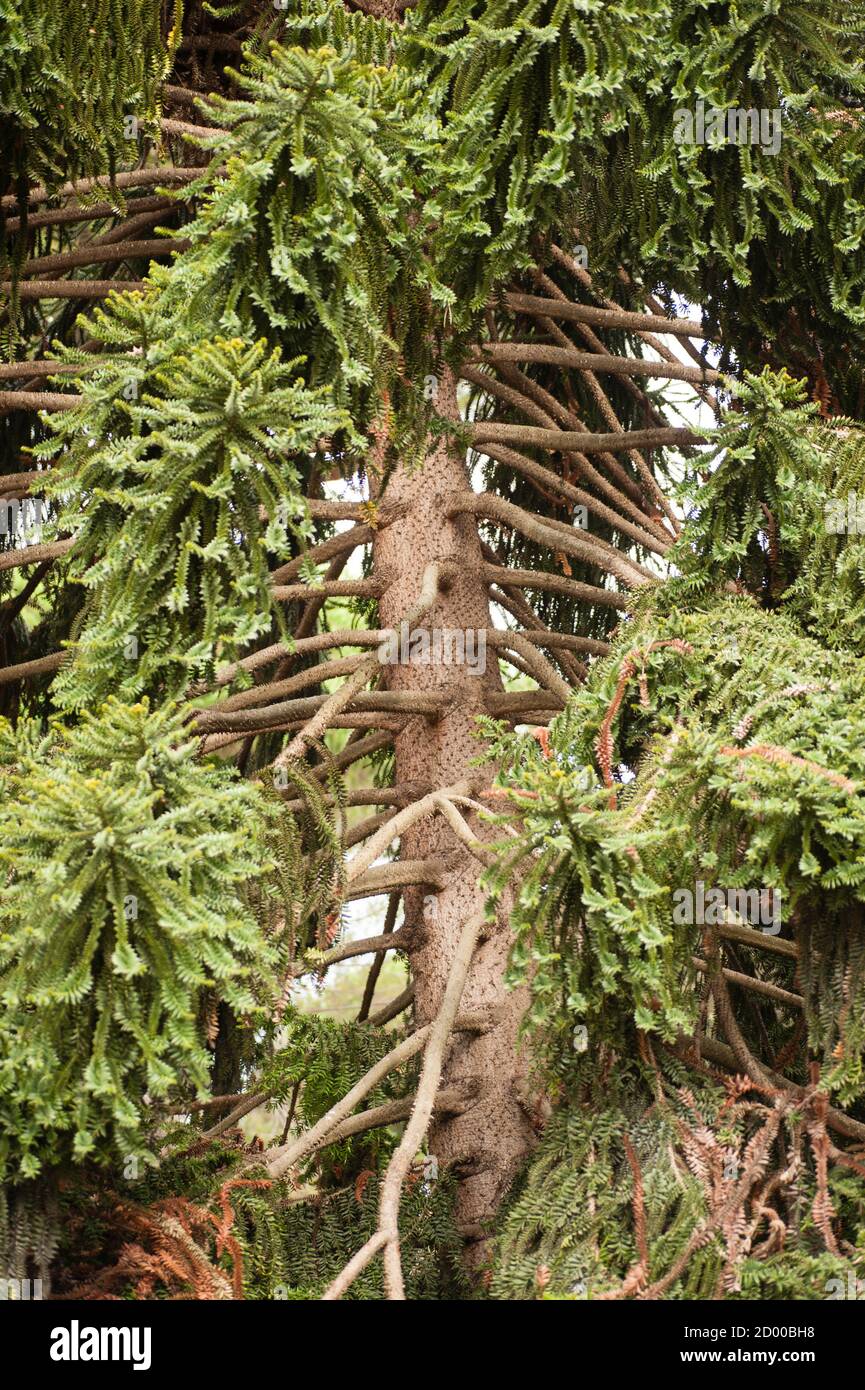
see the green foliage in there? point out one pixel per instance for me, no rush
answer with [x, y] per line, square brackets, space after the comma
[746, 740]
[70, 75]
[539, 81]
[718, 742]
[557, 116]
[328, 1057]
[301, 895]
[188, 489]
[307, 236]
[569, 1231]
[772, 516]
[122, 855]
[296, 1250]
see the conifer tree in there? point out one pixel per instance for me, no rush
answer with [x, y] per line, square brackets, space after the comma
[454, 410]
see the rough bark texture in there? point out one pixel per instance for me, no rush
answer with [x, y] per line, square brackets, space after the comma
[488, 1142]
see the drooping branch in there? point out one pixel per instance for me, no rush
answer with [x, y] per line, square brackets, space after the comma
[593, 362]
[95, 255]
[400, 823]
[546, 533]
[337, 702]
[135, 178]
[546, 479]
[613, 317]
[489, 431]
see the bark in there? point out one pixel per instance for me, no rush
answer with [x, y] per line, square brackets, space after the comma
[487, 1143]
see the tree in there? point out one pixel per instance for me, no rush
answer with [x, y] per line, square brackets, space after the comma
[375, 471]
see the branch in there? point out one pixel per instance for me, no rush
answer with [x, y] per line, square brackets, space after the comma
[33, 554]
[556, 583]
[244, 1107]
[593, 362]
[454, 1100]
[395, 1007]
[343, 697]
[323, 708]
[70, 289]
[113, 251]
[724, 1056]
[613, 317]
[37, 400]
[136, 178]
[334, 588]
[41, 666]
[57, 217]
[519, 701]
[301, 646]
[417, 1126]
[281, 1159]
[400, 823]
[44, 367]
[649, 481]
[364, 829]
[561, 440]
[555, 412]
[546, 534]
[336, 545]
[546, 478]
[312, 675]
[188, 131]
[364, 946]
[401, 873]
[764, 987]
[542, 670]
[463, 831]
[375, 969]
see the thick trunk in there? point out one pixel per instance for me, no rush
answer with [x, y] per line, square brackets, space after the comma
[487, 1143]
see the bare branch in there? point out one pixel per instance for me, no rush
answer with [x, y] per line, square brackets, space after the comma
[33, 554]
[420, 1117]
[613, 317]
[547, 534]
[542, 670]
[113, 251]
[37, 400]
[399, 874]
[346, 950]
[136, 178]
[488, 431]
[395, 1007]
[375, 969]
[400, 823]
[70, 289]
[41, 666]
[593, 362]
[556, 583]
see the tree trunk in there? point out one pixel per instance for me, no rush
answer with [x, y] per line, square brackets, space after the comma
[487, 1143]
